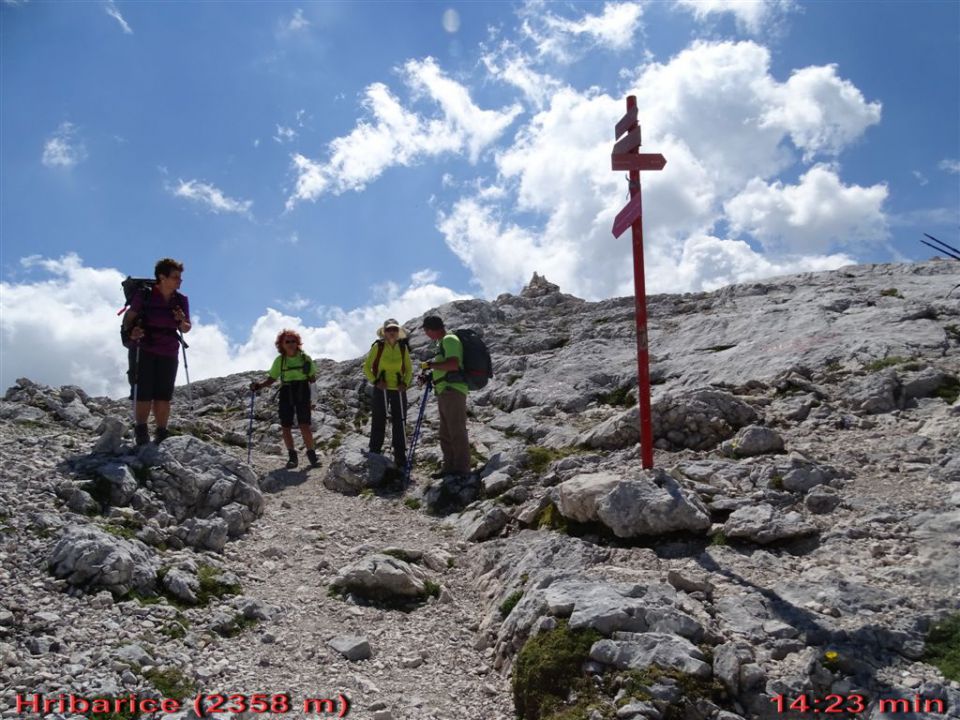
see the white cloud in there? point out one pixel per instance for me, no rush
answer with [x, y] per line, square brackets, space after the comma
[708, 263]
[479, 128]
[395, 135]
[950, 165]
[555, 36]
[710, 111]
[921, 178]
[512, 67]
[298, 22]
[210, 197]
[285, 134]
[822, 112]
[113, 12]
[752, 16]
[63, 328]
[817, 213]
[63, 149]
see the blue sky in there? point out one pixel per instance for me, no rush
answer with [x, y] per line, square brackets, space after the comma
[327, 165]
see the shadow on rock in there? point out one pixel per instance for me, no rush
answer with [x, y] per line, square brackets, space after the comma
[281, 478]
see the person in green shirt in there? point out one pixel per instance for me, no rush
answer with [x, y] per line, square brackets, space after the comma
[447, 367]
[389, 369]
[295, 370]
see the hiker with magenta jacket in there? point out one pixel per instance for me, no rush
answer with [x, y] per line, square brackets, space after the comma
[295, 370]
[150, 330]
[389, 370]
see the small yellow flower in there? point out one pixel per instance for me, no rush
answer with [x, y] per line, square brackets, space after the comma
[831, 655]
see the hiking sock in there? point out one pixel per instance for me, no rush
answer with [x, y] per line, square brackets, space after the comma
[312, 456]
[162, 434]
[141, 434]
[292, 459]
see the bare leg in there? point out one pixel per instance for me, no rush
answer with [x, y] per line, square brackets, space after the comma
[287, 437]
[143, 411]
[161, 412]
[307, 436]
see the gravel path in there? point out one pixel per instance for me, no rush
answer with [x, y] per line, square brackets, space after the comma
[424, 663]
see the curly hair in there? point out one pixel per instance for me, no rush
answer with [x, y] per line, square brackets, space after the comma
[165, 266]
[284, 334]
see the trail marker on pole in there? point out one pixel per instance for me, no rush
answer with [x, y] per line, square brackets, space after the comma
[626, 156]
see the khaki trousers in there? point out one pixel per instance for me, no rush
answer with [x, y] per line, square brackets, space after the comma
[454, 444]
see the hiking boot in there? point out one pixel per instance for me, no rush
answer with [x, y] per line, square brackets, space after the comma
[292, 459]
[141, 434]
[312, 457]
[162, 434]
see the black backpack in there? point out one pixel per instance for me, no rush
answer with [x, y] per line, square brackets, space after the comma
[131, 287]
[477, 366]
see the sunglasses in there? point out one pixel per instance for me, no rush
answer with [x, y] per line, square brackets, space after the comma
[392, 330]
[289, 342]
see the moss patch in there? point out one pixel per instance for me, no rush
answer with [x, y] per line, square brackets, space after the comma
[884, 363]
[891, 292]
[412, 503]
[549, 668]
[171, 683]
[211, 586]
[121, 715]
[432, 589]
[943, 647]
[623, 396]
[539, 458]
[949, 391]
[507, 606]
[551, 519]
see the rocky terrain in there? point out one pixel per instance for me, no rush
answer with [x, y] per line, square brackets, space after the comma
[796, 542]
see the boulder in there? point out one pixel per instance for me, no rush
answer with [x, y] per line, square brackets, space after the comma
[751, 441]
[764, 524]
[92, 559]
[637, 651]
[652, 503]
[382, 577]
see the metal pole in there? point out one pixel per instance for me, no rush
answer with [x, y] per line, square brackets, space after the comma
[253, 395]
[416, 435]
[640, 299]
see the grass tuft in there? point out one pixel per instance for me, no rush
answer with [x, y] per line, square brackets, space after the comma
[943, 647]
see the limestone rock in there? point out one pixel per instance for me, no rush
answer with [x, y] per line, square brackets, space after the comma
[764, 524]
[637, 651]
[382, 577]
[92, 559]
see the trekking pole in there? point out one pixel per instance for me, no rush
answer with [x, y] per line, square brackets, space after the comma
[136, 381]
[402, 399]
[416, 434]
[253, 395]
[186, 368]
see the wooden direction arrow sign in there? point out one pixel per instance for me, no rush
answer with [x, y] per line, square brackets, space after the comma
[626, 217]
[625, 122]
[634, 161]
[630, 141]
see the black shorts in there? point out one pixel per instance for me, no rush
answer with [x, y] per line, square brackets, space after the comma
[153, 377]
[295, 397]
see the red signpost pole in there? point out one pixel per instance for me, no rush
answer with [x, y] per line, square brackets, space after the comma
[640, 301]
[626, 156]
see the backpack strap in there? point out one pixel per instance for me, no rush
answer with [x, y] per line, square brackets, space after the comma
[376, 361]
[404, 353]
